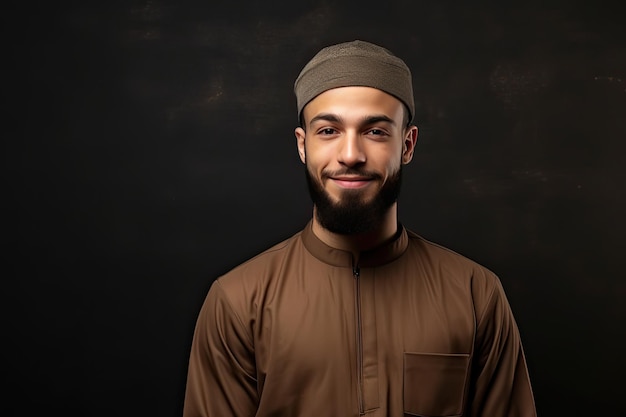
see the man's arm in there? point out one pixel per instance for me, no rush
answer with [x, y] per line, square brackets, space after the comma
[221, 379]
[501, 385]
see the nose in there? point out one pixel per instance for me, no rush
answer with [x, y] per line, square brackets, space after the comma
[351, 151]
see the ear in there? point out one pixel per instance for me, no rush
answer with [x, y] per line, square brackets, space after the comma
[300, 137]
[408, 144]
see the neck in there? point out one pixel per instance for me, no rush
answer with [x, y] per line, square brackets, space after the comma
[357, 243]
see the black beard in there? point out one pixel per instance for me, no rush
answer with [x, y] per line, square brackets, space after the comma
[351, 215]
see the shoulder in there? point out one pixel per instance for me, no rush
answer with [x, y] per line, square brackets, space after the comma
[254, 272]
[444, 257]
[454, 268]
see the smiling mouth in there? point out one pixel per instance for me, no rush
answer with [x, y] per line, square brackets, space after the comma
[351, 182]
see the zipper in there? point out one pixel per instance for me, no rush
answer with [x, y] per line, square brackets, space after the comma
[356, 272]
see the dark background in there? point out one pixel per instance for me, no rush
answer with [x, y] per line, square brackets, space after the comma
[149, 147]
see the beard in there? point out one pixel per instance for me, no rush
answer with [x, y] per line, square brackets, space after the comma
[352, 214]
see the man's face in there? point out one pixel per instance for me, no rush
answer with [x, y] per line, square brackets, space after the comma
[354, 147]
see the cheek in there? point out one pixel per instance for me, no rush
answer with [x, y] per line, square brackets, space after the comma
[318, 157]
[388, 160]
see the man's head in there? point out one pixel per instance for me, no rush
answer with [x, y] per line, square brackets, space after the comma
[355, 103]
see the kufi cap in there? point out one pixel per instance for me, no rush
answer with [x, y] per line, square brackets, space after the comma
[355, 63]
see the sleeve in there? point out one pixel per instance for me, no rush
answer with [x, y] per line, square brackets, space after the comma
[221, 373]
[501, 384]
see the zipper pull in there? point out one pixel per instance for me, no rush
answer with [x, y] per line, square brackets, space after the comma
[356, 271]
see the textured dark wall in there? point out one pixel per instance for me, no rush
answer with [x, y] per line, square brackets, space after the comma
[149, 148]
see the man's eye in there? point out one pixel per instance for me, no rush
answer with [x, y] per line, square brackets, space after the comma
[327, 131]
[376, 132]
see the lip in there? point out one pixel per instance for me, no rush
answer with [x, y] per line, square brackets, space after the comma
[352, 182]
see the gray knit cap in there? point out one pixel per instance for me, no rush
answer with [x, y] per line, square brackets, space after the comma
[356, 63]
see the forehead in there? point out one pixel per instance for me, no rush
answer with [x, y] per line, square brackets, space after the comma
[355, 103]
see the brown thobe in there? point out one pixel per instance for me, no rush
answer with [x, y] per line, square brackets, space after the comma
[408, 329]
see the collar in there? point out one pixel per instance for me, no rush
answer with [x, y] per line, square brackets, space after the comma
[385, 253]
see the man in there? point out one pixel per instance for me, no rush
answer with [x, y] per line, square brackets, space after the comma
[355, 315]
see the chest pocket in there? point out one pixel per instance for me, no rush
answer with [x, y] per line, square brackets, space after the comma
[434, 384]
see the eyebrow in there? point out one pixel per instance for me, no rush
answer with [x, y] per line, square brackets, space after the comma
[368, 120]
[328, 117]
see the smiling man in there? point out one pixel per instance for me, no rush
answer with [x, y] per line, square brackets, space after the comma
[356, 315]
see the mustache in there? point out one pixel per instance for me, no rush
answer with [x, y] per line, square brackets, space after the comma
[352, 171]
